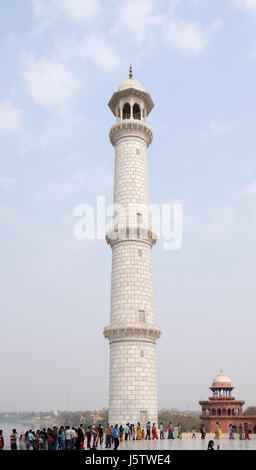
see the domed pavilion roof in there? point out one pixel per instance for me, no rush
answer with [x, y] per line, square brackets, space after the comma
[136, 88]
[131, 83]
[221, 380]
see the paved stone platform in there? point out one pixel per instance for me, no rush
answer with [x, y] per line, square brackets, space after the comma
[187, 444]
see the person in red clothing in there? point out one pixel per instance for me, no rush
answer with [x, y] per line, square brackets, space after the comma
[89, 436]
[13, 440]
[154, 432]
[97, 438]
[1, 440]
[121, 433]
[246, 431]
[80, 438]
[94, 435]
[49, 439]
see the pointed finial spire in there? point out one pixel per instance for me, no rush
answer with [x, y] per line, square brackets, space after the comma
[130, 72]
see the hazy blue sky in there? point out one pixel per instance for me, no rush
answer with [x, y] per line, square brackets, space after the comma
[60, 63]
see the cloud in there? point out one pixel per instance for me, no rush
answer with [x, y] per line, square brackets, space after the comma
[11, 119]
[252, 53]
[98, 178]
[190, 37]
[77, 11]
[10, 40]
[249, 191]
[248, 165]
[60, 190]
[147, 22]
[216, 128]
[96, 48]
[7, 182]
[137, 16]
[251, 224]
[12, 123]
[50, 83]
[222, 221]
[248, 6]
[197, 3]
[59, 129]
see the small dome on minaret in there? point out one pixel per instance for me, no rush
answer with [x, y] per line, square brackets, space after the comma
[131, 83]
[221, 380]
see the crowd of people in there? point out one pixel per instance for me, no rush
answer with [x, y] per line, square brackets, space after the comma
[243, 431]
[67, 438]
[72, 438]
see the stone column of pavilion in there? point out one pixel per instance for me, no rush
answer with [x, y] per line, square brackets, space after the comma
[132, 333]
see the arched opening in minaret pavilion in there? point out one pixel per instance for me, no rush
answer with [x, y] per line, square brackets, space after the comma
[136, 111]
[126, 111]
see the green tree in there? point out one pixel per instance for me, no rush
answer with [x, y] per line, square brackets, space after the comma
[187, 421]
[251, 410]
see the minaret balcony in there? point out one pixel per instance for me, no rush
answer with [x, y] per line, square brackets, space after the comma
[141, 234]
[132, 332]
[131, 127]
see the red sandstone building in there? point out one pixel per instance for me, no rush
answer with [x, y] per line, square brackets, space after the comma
[224, 409]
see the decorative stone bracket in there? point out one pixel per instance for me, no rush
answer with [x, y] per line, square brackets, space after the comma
[127, 333]
[131, 128]
[130, 234]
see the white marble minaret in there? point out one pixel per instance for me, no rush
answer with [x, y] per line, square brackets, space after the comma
[132, 332]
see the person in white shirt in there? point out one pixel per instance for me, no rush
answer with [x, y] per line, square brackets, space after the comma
[161, 431]
[73, 438]
[68, 435]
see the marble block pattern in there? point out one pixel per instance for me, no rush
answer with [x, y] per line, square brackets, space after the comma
[132, 332]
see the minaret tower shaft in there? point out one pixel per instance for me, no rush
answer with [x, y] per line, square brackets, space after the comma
[132, 332]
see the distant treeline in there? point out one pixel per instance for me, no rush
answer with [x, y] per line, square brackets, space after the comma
[187, 419]
[251, 410]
